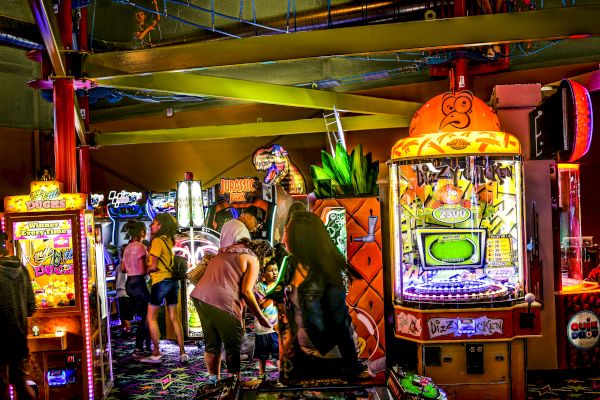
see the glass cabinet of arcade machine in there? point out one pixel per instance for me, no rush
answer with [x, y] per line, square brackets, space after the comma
[68, 337]
[461, 232]
[458, 266]
[576, 289]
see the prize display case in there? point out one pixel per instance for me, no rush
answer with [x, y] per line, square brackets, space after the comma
[53, 235]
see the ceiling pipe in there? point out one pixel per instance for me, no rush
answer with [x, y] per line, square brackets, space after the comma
[20, 43]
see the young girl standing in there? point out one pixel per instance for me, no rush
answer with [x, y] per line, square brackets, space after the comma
[134, 265]
[164, 287]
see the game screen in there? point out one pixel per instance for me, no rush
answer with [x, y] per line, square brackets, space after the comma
[459, 230]
[161, 202]
[45, 248]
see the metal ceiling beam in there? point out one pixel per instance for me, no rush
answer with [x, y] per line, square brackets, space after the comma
[48, 26]
[555, 23]
[201, 85]
[256, 129]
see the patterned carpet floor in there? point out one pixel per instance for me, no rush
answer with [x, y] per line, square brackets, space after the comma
[168, 380]
[173, 380]
[569, 384]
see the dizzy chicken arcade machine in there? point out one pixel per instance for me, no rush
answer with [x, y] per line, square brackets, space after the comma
[459, 276]
[53, 236]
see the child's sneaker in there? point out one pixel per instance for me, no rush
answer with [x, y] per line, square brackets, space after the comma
[183, 358]
[212, 380]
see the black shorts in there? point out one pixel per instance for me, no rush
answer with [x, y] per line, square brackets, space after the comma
[124, 309]
[221, 328]
[266, 345]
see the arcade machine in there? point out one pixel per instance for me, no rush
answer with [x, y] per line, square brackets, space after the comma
[457, 250]
[561, 133]
[52, 233]
[122, 207]
[244, 195]
[107, 254]
[161, 202]
[193, 242]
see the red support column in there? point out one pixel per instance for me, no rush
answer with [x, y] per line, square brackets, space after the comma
[65, 23]
[85, 181]
[460, 8]
[64, 134]
[82, 35]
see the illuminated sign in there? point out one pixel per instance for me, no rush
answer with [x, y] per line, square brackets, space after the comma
[451, 214]
[124, 198]
[97, 200]
[190, 204]
[428, 174]
[582, 330]
[457, 327]
[45, 196]
[280, 169]
[42, 230]
[582, 124]
[239, 190]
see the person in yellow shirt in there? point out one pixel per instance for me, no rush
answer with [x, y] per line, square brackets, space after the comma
[163, 230]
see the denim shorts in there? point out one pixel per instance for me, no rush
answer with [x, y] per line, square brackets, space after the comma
[167, 289]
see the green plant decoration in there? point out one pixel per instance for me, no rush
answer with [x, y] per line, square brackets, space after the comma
[344, 174]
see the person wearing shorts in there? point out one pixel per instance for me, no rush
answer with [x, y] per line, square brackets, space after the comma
[227, 283]
[164, 287]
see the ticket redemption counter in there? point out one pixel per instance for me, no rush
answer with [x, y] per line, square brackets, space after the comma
[457, 250]
[69, 340]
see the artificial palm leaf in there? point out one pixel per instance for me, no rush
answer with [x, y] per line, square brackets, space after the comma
[345, 174]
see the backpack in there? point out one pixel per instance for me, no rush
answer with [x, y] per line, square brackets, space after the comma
[178, 267]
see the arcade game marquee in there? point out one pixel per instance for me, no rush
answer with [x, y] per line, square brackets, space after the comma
[244, 195]
[53, 235]
[458, 256]
[123, 206]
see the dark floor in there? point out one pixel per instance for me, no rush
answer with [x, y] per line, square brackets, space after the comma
[569, 384]
[172, 380]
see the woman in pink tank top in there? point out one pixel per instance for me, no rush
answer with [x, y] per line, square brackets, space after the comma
[219, 295]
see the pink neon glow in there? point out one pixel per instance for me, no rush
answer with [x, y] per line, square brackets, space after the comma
[3, 225]
[86, 307]
[584, 120]
[11, 389]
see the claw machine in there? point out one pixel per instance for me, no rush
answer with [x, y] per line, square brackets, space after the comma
[458, 250]
[52, 234]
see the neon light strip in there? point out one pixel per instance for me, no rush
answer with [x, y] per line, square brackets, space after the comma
[86, 307]
[3, 225]
[566, 166]
[584, 120]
